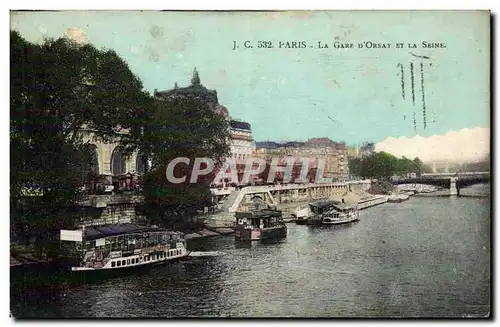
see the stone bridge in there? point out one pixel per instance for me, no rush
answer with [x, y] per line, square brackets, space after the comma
[454, 182]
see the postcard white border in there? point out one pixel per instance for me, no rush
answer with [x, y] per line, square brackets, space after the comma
[199, 5]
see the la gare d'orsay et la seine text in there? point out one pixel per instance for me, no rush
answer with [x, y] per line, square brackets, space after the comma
[263, 44]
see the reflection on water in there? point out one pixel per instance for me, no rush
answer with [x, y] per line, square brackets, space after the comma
[424, 257]
[476, 190]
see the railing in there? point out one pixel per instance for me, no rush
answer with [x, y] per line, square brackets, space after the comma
[91, 260]
[233, 206]
[454, 174]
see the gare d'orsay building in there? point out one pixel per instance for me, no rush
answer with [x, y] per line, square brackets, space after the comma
[114, 167]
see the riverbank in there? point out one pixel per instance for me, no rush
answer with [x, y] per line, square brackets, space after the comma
[18, 260]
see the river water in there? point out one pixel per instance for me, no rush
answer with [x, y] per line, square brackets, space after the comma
[427, 257]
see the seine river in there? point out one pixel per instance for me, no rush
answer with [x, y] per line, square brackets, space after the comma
[427, 257]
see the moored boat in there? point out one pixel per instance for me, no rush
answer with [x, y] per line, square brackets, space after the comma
[331, 212]
[301, 214]
[259, 225]
[341, 213]
[398, 198]
[318, 209]
[372, 201]
[119, 246]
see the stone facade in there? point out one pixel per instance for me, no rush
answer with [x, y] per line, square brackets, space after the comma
[334, 154]
[242, 143]
[111, 209]
[110, 162]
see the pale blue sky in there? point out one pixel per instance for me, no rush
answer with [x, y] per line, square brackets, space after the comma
[288, 94]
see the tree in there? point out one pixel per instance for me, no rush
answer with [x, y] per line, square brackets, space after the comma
[355, 166]
[419, 167]
[380, 165]
[180, 127]
[57, 88]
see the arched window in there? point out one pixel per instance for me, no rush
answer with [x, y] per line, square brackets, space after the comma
[117, 163]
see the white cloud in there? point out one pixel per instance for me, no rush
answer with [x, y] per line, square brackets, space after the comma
[466, 145]
[76, 35]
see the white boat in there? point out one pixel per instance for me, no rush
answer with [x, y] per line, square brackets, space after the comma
[372, 201]
[398, 198]
[301, 214]
[340, 213]
[119, 246]
[301, 211]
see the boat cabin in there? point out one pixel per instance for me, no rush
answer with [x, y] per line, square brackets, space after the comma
[344, 208]
[260, 219]
[101, 243]
[323, 206]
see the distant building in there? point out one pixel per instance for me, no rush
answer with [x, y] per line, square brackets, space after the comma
[353, 152]
[334, 154]
[242, 142]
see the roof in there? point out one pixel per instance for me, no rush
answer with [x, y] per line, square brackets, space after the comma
[101, 231]
[324, 203]
[198, 91]
[320, 140]
[240, 125]
[293, 144]
[343, 206]
[265, 213]
[267, 145]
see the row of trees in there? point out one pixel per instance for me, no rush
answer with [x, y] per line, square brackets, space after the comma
[383, 165]
[58, 86]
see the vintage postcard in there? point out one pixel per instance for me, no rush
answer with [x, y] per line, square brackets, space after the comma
[281, 164]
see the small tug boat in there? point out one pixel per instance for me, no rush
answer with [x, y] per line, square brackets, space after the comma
[119, 246]
[259, 225]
